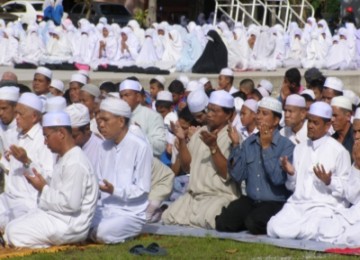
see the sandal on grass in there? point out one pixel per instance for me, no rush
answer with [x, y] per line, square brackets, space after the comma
[154, 250]
[137, 250]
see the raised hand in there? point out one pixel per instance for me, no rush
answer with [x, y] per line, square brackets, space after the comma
[320, 172]
[233, 135]
[266, 135]
[107, 187]
[287, 166]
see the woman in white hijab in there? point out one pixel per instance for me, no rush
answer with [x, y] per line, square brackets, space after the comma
[108, 48]
[31, 48]
[172, 51]
[296, 51]
[238, 51]
[58, 48]
[138, 32]
[9, 48]
[147, 56]
[129, 48]
[86, 51]
[316, 52]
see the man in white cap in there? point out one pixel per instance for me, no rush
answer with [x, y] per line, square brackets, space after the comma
[226, 81]
[247, 86]
[150, 122]
[295, 119]
[56, 87]
[341, 121]
[76, 82]
[317, 177]
[41, 81]
[267, 85]
[256, 161]
[90, 97]
[248, 118]
[356, 126]
[8, 99]
[89, 142]
[67, 203]
[333, 87]
[197, 102]
[124, 171]
[205, 158]
[27, 151]
[156, 85]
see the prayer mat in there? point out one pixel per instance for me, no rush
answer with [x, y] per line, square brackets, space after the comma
[20, 252]
[244, 236]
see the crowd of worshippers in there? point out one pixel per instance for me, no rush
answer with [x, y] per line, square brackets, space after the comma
[186, 47]
[101, 163]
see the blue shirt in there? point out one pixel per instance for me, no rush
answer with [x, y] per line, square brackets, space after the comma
[261, 168]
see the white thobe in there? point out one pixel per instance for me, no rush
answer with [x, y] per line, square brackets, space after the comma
[152, 125]
[7, 135]
[92, 148]
[66, 206]
[127, 166]
[312, 200]
[20, 196]
[298, 137]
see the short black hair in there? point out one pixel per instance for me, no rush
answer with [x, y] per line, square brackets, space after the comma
[158, 83]
[109, 86]
[163, 103]
[317, 83]
[293, 76]
[186, 115]
[176, 86]
[83, 128]
[133, 78]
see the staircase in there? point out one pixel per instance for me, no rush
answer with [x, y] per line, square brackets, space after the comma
[278, 11]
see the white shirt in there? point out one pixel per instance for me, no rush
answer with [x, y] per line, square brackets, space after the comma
[298, 137]
[92, 148]
[127, 166]
[72, 194]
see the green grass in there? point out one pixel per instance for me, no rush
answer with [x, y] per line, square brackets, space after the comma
[190, 248]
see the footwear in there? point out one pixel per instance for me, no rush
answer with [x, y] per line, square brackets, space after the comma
[137, 250]
[154, 250]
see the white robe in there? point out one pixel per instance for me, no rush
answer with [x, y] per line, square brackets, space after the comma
[312, 200]
[9, 51]
[19, 196]
[295, 138]
[127, 166]
[66, 206]
[92, 149]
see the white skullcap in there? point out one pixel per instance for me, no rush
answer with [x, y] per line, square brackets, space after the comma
[263, 92]
[352, 96]
[92, 90]
[31, 100]
[170, 117]
[238, 103]
[78, 78]
[130, 84]
[55, 104]
[267, 85]
[321, 109]
[79, 114]
[113, 94]
[197, 101]
[204, 80]
[357, 113]
[227, 72]
[116, 106]
[296, 101]
[342, 102]
[194, 86]
[84, 72]
[164, 95]
[309, 92]
[58, 84]
[161, 79]
[271, 103]
[9, 93]
[221, 98]
[334, 83]
[251, 104]
[44, 71]
[184, 79]
[59, 118]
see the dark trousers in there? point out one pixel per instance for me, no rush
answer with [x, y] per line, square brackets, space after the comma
[247, 214]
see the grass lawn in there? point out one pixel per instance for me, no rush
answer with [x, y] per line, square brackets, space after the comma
[190, 248]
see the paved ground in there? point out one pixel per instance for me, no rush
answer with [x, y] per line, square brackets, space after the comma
[351, 79]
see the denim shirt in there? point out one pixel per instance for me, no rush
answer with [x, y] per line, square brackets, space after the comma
[261, 168]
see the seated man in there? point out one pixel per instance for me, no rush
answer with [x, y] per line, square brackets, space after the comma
[67, 203]
[204, 157]
[256, 161]
[124, 171]
[317, 176]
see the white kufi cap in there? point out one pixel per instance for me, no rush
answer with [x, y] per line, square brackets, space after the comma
[321, 109]
[227, 72]
[44, 71]
[296, 101]
[31, 100]
[194, 85]
[164, 96]
[251, 104]
[197, 101]
[79, 114]
[161, 79]
[55, 104]
[342, 102]
[92, 90]
[357, 113]
[334, 83]
[116, 106]
[59, 118]
[130, 84]
[77, 77]
[309, 92]
[221, 98]
[58, 84]
[271, 103]
[267, 85]
[9, 93]
[263, 92]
